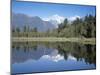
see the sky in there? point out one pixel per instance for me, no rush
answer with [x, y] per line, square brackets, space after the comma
[45, 10]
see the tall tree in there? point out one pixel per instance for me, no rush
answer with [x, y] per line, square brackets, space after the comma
[65, 23]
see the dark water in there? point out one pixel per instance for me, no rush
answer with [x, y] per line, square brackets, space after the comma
[44, 57]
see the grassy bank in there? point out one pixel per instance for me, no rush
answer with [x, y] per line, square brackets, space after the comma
[54, 39]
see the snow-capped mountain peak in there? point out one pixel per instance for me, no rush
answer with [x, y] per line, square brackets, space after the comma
[55, 19]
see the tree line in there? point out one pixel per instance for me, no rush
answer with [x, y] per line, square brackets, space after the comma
[80, 27]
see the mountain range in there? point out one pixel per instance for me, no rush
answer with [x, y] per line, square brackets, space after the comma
[21, 20]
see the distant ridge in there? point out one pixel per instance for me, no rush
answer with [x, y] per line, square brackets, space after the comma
[21, 20]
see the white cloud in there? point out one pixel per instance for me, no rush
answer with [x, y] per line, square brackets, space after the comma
[72, 18]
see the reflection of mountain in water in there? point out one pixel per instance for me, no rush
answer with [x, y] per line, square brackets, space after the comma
[55, 51]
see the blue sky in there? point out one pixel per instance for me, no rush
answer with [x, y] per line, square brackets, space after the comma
[44, 10]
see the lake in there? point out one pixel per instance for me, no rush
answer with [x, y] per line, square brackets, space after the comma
[33, 57]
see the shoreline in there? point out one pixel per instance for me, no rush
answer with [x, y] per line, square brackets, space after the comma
[54, 39]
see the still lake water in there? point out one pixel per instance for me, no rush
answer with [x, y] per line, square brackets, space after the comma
[46, 57]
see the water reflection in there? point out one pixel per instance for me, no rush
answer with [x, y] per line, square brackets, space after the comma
[30, 57]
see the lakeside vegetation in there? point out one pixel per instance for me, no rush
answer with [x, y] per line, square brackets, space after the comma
[80, 30]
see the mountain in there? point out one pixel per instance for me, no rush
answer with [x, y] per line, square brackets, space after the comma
[21, 20]
[55, 19]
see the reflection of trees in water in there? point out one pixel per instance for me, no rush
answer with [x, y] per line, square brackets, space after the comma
[79, 51]
[28, 51]
[91, 54]
[26, 47]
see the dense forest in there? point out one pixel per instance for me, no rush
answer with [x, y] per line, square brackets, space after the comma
[81, 27]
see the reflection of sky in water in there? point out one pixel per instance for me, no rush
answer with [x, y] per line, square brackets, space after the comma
[45, 59]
